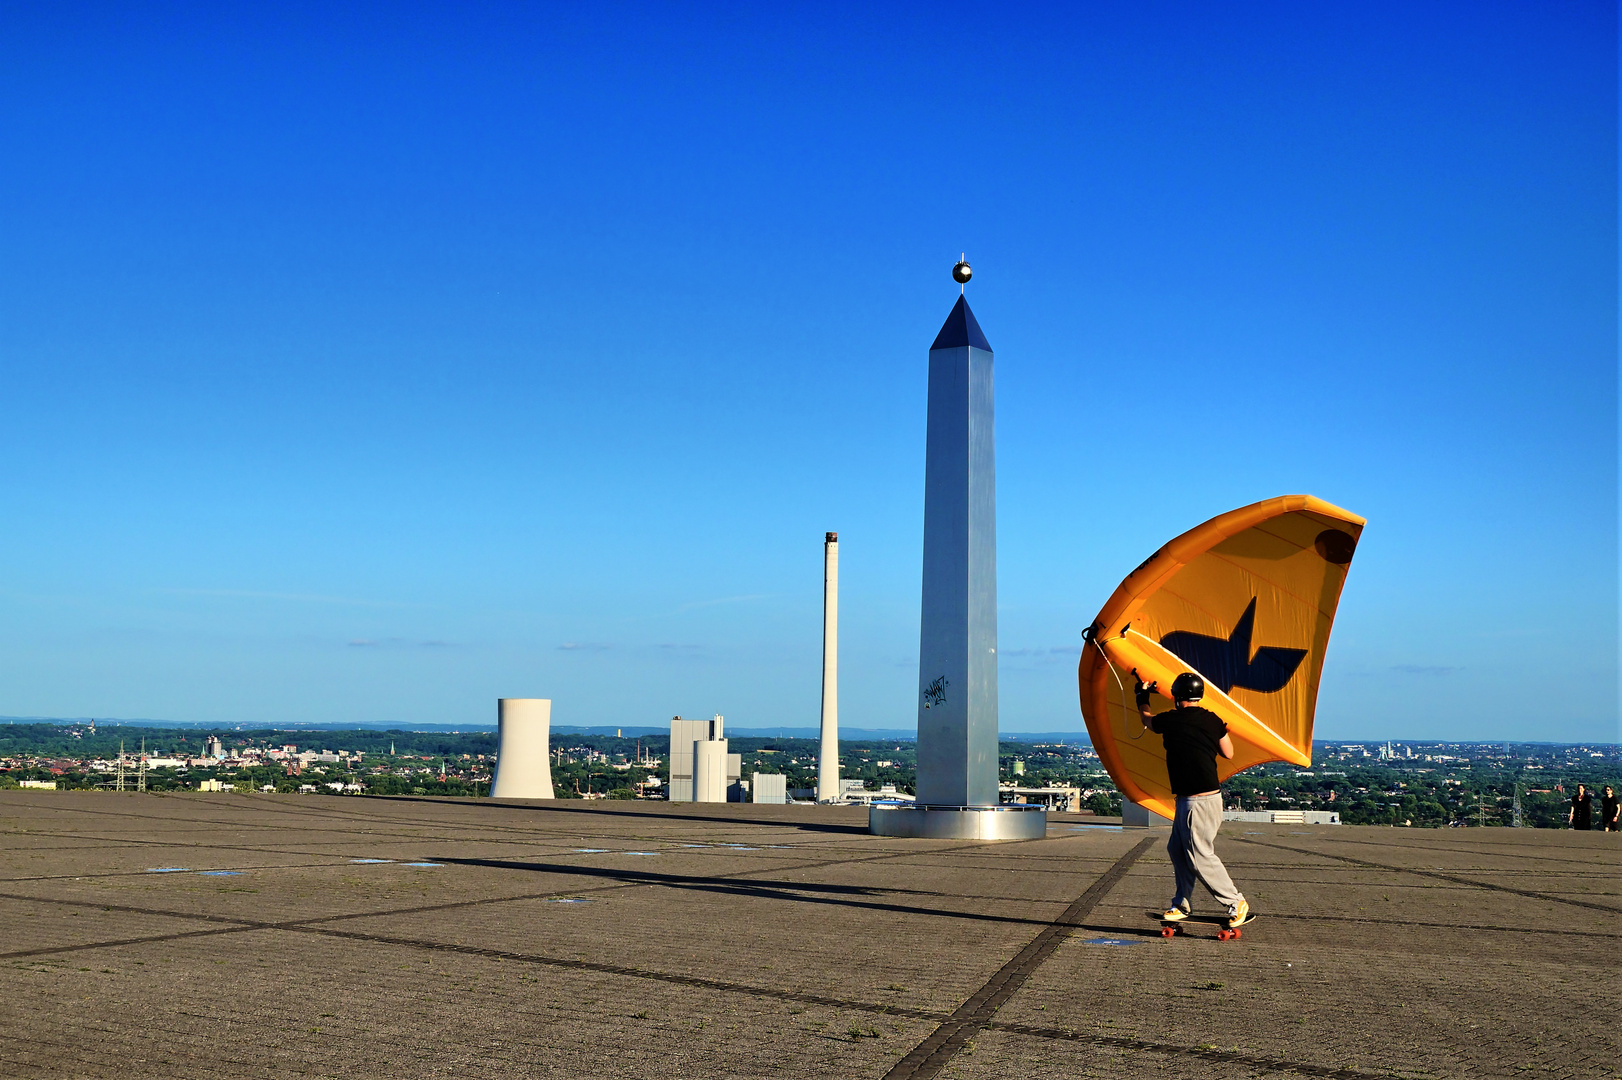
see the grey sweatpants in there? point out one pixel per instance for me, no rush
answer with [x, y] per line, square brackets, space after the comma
[1192, 848]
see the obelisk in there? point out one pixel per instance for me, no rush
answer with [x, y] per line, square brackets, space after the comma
[828, 758]
[957, 648]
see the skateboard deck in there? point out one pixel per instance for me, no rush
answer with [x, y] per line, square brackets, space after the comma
[1181, 926]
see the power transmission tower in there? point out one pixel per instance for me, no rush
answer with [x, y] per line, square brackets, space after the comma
[120, 782]
[1516, 819]
[141, 781]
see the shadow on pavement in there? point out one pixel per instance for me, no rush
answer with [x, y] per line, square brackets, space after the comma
[803, 826]
[803, 892]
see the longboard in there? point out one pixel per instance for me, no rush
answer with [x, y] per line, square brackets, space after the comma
[1224, 931]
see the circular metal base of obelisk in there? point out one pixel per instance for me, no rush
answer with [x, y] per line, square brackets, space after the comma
[1016, 822]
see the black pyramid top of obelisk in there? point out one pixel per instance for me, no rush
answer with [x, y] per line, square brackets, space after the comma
[960, 329]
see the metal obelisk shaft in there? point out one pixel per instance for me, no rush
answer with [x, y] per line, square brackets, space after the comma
[957, 676]
[828, 760]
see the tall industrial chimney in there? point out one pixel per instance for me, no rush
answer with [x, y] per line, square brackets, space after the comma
[828, 761]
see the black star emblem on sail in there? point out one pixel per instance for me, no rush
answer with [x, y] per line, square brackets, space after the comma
[1227, 663]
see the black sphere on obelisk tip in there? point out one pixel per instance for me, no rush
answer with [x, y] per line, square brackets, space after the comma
[961, 273]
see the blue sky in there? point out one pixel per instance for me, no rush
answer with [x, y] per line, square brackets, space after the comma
[369, 363]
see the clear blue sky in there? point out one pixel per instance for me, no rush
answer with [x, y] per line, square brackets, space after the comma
[369, 363]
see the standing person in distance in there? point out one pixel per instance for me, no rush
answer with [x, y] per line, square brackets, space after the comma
[1581, 814]
[1609, 811]
[1194, 737]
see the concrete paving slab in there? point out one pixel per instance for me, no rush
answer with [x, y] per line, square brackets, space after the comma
[776, 941]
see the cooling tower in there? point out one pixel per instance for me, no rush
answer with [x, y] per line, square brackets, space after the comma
[524, 752]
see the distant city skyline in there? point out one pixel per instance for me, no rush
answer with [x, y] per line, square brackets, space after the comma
[367, 370]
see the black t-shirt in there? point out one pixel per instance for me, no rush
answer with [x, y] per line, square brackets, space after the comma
[1582, 809]
[1607, 809]
[1191, 735]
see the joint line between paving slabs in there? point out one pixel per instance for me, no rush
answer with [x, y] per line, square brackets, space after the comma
[932, 1055]
[1230, 1057]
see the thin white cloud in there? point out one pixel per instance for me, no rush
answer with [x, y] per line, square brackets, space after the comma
[584, 646]
[295, 598]
[725, 600]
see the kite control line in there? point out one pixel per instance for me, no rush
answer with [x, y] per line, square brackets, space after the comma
[1092, 638]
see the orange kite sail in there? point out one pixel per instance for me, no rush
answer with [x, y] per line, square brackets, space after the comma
[1246, 601]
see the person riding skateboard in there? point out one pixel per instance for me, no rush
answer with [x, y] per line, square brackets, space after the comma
[1194, 736]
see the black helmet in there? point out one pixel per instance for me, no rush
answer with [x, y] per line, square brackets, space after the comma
[1187, 687]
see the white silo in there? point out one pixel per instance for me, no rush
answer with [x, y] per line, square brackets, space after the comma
[523, 750]
[710, 770]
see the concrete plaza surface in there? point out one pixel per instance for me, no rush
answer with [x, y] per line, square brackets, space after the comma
[650, 940]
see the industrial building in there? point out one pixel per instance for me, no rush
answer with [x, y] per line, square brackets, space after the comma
[769, 788]
[1284, 817]
[701, 770]
[886, 793]
[1060, 798]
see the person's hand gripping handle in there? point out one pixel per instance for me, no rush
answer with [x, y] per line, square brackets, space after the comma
[1143, 693]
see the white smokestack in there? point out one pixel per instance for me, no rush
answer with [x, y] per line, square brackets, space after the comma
[828, 761]
[523, 754]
